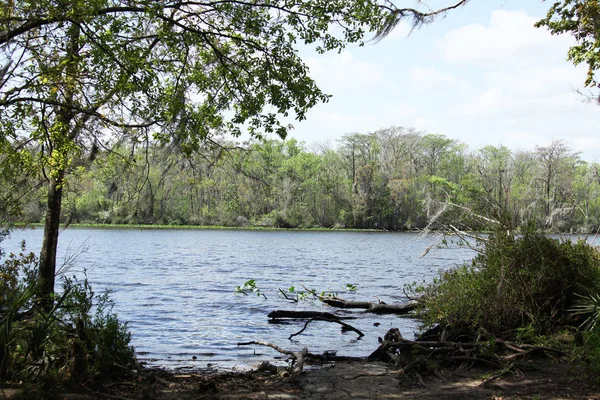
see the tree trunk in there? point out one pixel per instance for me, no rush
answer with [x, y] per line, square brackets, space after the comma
[64, 134]
[47, 267]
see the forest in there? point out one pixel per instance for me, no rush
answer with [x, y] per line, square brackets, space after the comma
[391, 179]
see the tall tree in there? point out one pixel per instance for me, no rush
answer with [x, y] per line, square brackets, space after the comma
[557, 163]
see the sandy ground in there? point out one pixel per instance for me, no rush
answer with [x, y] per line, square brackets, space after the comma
[543, 379]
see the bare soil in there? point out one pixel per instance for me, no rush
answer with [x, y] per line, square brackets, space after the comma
[538, 379]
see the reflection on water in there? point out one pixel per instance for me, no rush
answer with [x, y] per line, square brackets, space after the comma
[176, 287]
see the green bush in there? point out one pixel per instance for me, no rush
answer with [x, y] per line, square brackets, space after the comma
[79, 339]
[515, 282]
[591, 350]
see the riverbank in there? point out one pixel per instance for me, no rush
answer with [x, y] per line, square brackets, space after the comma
[533, 379]
[204, 227]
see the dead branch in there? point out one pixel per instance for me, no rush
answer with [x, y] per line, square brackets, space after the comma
[298, 356]
[261, 343]
[300, 360]
[463, 235]
[399, 351]
[301, 330]
[345, 326]
[286, 296]
[268, 367]
[325, 357]
[475, 359]
[497, 375]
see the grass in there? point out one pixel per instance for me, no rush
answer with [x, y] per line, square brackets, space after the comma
[199, 227]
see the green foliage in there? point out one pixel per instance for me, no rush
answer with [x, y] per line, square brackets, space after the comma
[517, 285]
[79, 338]
[591, 350]
[588, 305]
[579, 18]
[306, 294]
[249, 286]
[282, 184]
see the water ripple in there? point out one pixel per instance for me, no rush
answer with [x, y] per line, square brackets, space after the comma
[176, 287]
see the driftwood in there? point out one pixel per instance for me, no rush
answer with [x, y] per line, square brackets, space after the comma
[413, 358]
[300, 357]
[377, 308]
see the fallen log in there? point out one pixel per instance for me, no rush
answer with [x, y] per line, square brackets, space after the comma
[377, 308]
[279, 314]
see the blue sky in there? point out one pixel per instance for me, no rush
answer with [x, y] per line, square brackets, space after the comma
[482, 75]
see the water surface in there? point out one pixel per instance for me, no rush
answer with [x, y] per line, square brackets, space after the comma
[176, 287]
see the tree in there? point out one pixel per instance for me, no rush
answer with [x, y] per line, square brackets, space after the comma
[557, 163]
[495, 174]
[581, 18]
[74, 73]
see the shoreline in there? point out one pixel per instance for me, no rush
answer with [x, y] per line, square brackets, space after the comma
[532, 379]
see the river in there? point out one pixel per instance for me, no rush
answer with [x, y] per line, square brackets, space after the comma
[176, 287]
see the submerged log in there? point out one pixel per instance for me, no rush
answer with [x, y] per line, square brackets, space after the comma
[277, 314]
[377, 308]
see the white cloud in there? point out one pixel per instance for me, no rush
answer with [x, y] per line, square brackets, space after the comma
[335, 123]
[510, 39]
[539, 78]
[425, 124]
[342, 70]
[585, 144]
[524, 140]
[431, 78]
[497, 81]
[401, 111]
[526, 91]
[485, 104]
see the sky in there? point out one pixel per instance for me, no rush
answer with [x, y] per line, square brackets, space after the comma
[483, 75]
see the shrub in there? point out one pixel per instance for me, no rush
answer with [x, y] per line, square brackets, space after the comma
[591, 350]
[529, 280]
[80, 338]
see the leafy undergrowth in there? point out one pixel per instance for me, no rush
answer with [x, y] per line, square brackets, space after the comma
[529, 289]
[78, 340]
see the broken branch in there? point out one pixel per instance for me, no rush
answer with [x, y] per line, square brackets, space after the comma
[345, 326]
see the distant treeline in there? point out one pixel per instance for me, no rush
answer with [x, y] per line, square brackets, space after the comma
[394, 179]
